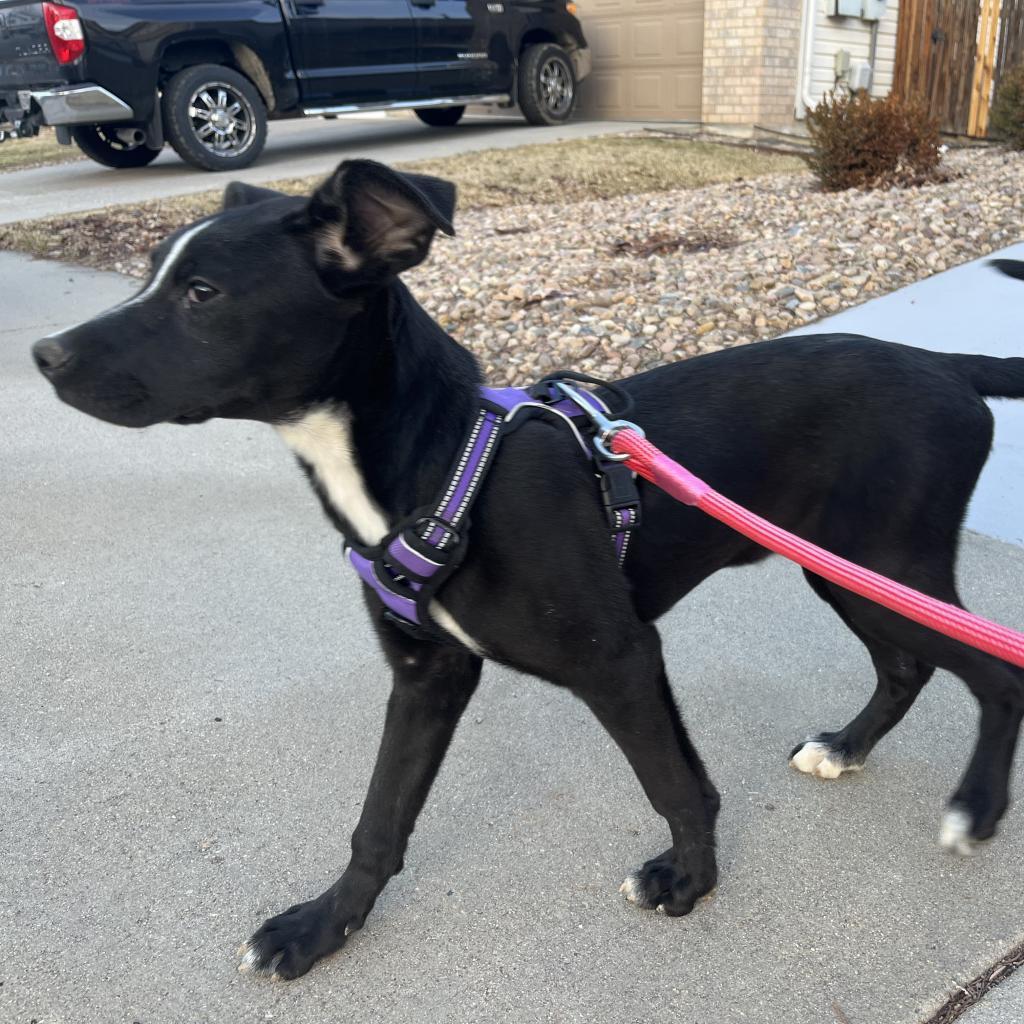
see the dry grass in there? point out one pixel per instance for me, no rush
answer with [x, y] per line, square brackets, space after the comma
[20, 154]
[602, 168]
[115, 237]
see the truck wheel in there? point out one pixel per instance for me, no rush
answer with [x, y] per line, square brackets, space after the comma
[102, 144]
[547, 84]
[214, 118]
[441, 117]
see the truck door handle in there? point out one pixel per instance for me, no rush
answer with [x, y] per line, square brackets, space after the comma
[307, 6]
[423, 3]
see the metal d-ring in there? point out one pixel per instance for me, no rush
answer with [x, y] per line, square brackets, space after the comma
[606, 428]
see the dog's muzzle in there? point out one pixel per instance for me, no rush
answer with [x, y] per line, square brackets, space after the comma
[51, 357]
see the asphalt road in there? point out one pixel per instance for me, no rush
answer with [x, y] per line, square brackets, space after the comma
[294, 148]
[191, 705]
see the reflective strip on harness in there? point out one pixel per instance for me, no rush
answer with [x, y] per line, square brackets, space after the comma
[411, 563]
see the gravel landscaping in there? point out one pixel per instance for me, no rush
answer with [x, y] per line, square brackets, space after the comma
[119, 237]
[621, 285]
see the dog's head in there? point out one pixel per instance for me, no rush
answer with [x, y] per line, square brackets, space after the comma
[249, 311]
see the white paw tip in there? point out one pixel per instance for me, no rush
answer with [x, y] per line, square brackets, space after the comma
[250, 957]
[955, 832]
[348, 930]
[817, 759]
[630, 888]
[660, 908]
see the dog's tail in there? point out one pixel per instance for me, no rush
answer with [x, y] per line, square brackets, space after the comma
[1012, 268]
[990, 376]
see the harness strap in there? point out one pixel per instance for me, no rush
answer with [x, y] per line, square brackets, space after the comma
[412, 562]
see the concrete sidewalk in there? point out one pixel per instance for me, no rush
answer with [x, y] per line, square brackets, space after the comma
[191, 706]
[1003, 1005]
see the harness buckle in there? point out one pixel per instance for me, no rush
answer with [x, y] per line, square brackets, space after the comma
[619, 493]
[449, 536]
[606, 428]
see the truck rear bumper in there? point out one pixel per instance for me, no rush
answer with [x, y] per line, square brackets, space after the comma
[77, 104]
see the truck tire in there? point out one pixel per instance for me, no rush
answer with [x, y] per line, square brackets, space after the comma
[547, 84]
[102, 144]
[214, 118]
[441, 117]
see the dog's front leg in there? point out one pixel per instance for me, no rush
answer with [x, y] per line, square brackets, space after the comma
[432, 686]
[629, 693]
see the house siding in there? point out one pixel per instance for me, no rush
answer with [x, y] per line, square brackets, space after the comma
[722, 61]
[854, 35]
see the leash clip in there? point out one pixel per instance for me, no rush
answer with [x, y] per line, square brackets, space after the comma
[606, 428]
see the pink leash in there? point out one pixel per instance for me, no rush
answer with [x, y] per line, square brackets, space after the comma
[656, 466]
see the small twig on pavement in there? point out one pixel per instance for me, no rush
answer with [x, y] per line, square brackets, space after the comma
[966, 996]
[841, 1017]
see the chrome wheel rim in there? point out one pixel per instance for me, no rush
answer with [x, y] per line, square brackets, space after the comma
[222, 119]
[556, 86]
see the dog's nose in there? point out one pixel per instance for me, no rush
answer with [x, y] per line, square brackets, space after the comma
[50, 355]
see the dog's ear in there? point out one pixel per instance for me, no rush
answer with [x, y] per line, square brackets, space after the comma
[238, 193]
[370, 219]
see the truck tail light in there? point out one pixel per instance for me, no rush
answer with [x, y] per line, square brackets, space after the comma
[65, 31]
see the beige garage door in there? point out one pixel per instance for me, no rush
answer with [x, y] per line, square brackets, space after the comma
[647, 58]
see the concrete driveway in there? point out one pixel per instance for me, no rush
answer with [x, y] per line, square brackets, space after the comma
[191, 705]
[294, 148]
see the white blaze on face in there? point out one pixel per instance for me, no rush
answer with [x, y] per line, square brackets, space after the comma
[165, 271]
[168, 265]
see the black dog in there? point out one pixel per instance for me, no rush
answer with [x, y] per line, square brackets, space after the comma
[289, 311]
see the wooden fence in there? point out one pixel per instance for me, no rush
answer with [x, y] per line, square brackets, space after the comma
[952, 53]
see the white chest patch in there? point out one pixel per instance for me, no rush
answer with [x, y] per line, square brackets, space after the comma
[323, 439]
[447, 622]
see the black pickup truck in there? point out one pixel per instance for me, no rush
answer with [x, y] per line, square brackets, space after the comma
[121, 77]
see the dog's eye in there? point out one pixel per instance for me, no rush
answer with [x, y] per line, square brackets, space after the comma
[200, 291]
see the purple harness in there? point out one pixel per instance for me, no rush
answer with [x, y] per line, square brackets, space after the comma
[409, 565]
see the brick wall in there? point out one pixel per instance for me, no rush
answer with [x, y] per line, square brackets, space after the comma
[751, 51]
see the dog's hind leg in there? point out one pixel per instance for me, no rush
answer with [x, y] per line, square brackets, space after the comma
[983, 795]
[629, 693]
[901, 678]
[432, 686]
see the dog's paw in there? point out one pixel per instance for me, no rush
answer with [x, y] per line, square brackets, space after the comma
[955, 832]
[965, 824]
[822, 758]
[286, 946]
[660, 885]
